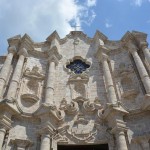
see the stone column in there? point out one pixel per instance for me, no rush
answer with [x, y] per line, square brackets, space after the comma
[142, 71]
[121, 141]
[146, 51]
[45, 142]
[49, 97]
[108, 80]
[2, 136]
[17, 74]
[6, 68]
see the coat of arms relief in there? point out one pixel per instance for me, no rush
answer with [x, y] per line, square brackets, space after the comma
[32, 87]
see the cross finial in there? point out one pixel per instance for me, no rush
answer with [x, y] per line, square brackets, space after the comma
[75, 27]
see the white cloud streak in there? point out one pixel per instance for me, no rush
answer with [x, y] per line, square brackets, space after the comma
[91, 3]
[139, 2]
[108, 24]
[39, 18]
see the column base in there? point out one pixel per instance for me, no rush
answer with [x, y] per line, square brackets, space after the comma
[146, 102]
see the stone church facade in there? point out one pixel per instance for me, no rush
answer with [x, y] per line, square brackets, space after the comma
[75, 91]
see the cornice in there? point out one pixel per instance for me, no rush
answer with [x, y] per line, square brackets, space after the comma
[113, 110]
[72, 34]
[127, 37]
[47, 109]
[26, 42]
[100, 35]
[7, 111]
[75, 34]
[14, 41]
[139, 35]
[54, 35]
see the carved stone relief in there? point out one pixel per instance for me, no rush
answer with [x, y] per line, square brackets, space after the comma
[32, 84]
[78, 84]
[83, 122]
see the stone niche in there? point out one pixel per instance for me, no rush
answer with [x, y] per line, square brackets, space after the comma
[128, 89]
[32, 82]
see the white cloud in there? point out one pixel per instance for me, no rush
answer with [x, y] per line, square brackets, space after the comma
[136, 2]
[91, 3]
[139, 2]
[39, 18]
[108, 24]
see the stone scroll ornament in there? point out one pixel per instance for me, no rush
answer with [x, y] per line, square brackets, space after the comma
[82, 128]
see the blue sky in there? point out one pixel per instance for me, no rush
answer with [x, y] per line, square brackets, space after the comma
[39, 18]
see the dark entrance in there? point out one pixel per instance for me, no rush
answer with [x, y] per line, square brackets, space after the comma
[83, 147]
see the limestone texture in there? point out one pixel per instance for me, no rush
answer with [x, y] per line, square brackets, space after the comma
[75, 90]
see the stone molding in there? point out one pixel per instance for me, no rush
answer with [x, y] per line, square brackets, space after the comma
[22, 143]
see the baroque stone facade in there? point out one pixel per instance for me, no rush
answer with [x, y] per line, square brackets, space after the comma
[75, 91]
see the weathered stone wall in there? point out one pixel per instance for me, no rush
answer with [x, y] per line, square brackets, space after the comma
[43, 103]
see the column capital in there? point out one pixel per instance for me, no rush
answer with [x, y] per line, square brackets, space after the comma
[104, 57]
[120, 126]
[132, 47]
[133, 51]
[54, 56]
[12, 49]
[3, 129]
[23, 52]
[54, 59]
[101, 53]
[143, 45]
[47, 130]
